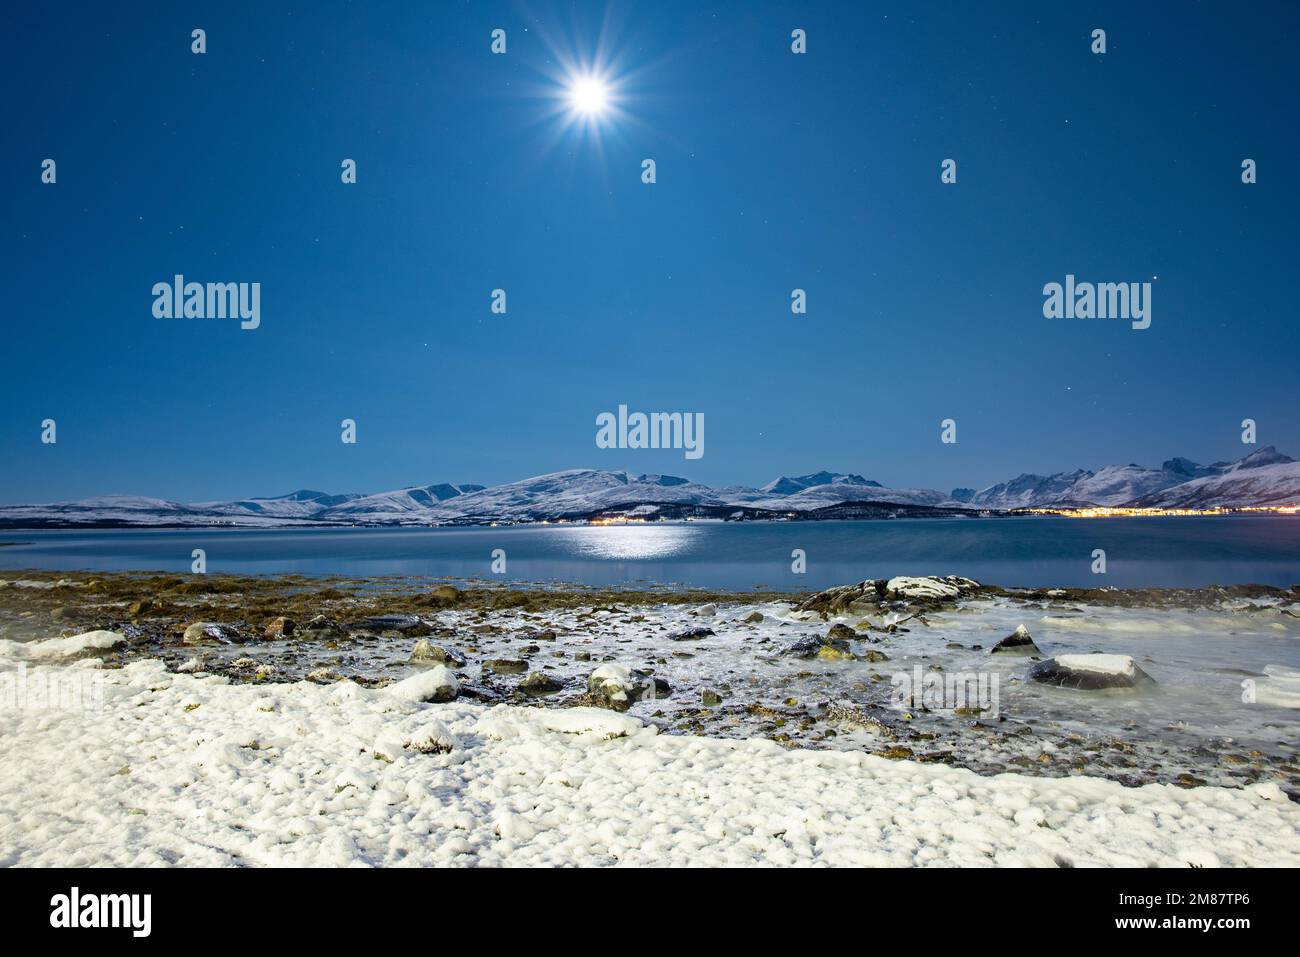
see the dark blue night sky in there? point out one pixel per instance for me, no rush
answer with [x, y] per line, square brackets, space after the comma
[774, 170]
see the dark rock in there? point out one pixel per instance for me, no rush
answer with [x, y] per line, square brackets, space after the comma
[1017, 643]
[505, 666]
[692, 634]
[825, 648]
[405, 624]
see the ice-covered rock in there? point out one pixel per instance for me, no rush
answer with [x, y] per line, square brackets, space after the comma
[617, 686]
[870, 595]
[432, 738]
[1090, 672]
[928, 587]
[437, 685]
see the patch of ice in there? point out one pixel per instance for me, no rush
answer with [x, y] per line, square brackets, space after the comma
[1280, 688]
[55, 648]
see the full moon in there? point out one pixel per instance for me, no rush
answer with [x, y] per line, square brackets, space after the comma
[589, 95]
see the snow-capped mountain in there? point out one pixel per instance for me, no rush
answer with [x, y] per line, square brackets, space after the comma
[302, 504]
[571, 493]
[1178, 483]
[1266, 477]
[1112, 485]
[789, 486]
[415, 500]
[1027, 491]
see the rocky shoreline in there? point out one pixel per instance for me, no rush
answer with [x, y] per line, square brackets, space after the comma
[815, 670]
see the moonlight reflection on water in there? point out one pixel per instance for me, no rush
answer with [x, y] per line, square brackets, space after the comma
[631, 542]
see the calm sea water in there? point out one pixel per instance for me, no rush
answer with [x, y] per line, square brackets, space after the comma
[1162, 552]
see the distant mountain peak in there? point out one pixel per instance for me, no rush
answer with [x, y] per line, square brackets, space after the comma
[1182, 466]
[1265, 456]
[789, 485]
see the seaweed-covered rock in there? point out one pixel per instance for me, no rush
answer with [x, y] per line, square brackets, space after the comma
[202, 631]
[444, 595]
[322, 627]
[505, 666]
[1018, 642]
[145, 607]
[280, 627]
[1090, 672]
[540, 683]
[426, 651]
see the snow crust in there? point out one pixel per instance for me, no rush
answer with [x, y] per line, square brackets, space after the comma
[192, 770]
[1097, 663]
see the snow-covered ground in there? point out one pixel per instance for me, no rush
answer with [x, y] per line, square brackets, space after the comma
[193, 770]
